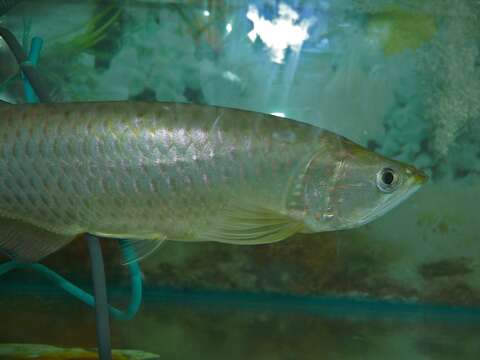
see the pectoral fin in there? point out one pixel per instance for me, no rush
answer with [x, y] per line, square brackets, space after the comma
[250, 225]
[23, 241]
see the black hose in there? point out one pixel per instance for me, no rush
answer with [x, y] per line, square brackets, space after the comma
[28, 69]
[101, 303]
[7, 5]
[98, 271]
[95, 250]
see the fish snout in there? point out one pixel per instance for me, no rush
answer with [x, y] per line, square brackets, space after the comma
[418, 176]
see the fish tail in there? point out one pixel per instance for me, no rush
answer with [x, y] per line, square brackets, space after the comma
[24, 242]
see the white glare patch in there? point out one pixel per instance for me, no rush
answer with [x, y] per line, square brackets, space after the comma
[280, 114]
[231, 76]
[280, 33]
[229, 28]
[206, 13]
[324, 44]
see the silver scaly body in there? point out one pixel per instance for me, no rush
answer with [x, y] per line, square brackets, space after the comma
[156, 171]
[143, 170]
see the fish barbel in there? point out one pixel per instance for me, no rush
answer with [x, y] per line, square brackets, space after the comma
[157, 171]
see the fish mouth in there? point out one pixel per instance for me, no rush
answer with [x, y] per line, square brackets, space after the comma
[417, 177]
[420, 177]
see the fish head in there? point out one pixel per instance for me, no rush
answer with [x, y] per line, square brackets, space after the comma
[346, 185]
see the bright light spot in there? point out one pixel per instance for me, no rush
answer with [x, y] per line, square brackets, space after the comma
[229, 28]
[280, 33]
[231, 76]
[324, 5]
[324, 43]
[280, 114]
[206, 13]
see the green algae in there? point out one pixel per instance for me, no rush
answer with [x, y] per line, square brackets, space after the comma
[398, 29]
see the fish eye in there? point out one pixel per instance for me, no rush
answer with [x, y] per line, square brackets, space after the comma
[387, 180]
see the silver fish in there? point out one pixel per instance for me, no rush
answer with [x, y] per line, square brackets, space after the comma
[156, 171]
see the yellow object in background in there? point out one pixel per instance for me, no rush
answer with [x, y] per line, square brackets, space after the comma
[398, 29]
[47, 352]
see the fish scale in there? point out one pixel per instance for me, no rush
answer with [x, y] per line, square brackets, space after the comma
[180, 171]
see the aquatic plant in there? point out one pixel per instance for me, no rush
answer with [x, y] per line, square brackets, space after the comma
[62, 60]
[92, 33]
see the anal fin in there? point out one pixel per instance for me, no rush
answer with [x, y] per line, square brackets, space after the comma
[136, 250]
[135, 247]
[25, 242]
